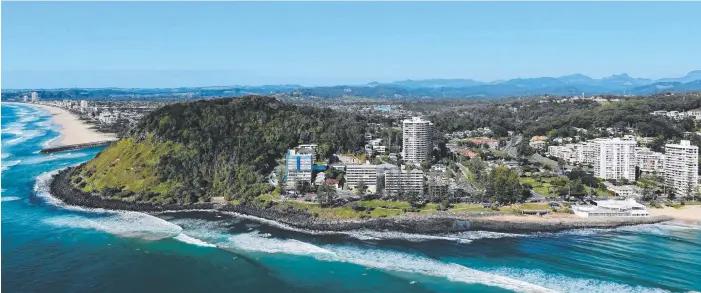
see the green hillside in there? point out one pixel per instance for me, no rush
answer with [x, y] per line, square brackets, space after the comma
[190, 152]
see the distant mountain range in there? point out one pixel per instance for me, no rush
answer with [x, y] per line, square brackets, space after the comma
[569, 85]
[565, 85]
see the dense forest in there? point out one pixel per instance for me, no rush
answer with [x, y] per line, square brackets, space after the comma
[552, 116]
[189, 152]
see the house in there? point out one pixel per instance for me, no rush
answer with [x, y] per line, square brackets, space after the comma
[539, 145]
[491, 143]
[333, 182]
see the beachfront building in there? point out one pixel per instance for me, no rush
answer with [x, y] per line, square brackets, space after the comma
[84, 106]
[611, 208]
[402, 182]
[298, 166]
[615, 159]
[417, 136]
[681, 168]
[34, 96]
[649, 162]
[367, 174]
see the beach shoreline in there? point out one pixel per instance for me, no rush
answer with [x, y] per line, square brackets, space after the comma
[690, 214]
[72, 129]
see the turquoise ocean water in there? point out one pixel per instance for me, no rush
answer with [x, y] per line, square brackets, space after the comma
[50, 248]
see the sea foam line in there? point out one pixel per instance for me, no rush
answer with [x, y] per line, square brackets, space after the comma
[570, 284]
[121, 223]
[388, 261]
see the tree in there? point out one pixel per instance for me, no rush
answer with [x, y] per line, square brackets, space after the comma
[326, 194]
[505, 185]
[649, 195]
[360, 188]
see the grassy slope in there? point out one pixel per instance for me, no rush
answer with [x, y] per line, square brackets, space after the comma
[130, 164]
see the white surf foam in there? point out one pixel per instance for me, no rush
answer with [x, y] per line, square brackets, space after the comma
[7, 164]
[570, 284]
[256, 242]
[410, 263]
[5, 155]
[123, 224]
[28, 117]
[191, 240]
[46, 158]
[52, 142]
[10, 198]
[462, 237]
[14, 128]
[24, 136]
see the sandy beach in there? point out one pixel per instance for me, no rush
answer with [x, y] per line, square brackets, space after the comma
[689, 213]
[73, 130]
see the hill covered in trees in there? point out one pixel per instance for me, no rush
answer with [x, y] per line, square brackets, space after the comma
[190, 152]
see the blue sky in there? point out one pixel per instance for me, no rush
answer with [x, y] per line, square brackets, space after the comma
[160, 44]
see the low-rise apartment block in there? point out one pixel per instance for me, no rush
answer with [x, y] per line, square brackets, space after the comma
[401, 182]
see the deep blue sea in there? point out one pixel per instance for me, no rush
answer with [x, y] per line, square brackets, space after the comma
[47, 247]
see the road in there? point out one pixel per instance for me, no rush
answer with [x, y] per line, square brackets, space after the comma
[510, 147]
[469, 187]
[545, 161]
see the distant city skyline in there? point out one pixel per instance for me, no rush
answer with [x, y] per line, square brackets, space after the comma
[165, 44]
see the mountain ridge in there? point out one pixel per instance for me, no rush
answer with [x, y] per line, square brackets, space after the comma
[568, 85]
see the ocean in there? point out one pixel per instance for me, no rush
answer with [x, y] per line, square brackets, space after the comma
[47, 247]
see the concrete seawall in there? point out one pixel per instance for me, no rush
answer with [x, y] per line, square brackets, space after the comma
[420, 224]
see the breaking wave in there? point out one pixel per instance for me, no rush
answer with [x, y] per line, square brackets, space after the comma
[121, 223]
[386, 260]
[52, 157]
[24, 136]
[7, 164]
[194, 241]
[569, 284]
[10, 198]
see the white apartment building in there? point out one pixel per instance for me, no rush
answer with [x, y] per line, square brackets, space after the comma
[587, 152]
[681, 167]
[417, 136]
[648, 161]
[365, 173]
[312, 147]
[566, 152]
[298, 166]
[83, 106]
[695, 114]
[403, 181]
[615, 159]
[35, 97]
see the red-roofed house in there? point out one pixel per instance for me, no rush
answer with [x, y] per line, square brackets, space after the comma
[491, 143]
